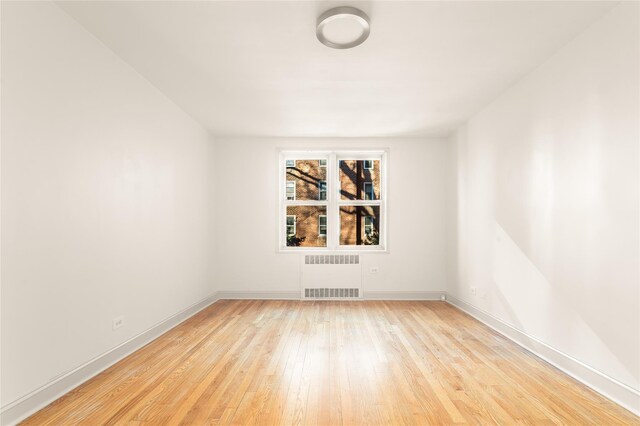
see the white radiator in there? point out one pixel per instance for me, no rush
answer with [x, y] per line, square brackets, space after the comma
[331, 276]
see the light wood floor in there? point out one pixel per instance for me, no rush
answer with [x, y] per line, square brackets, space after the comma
[332, 363]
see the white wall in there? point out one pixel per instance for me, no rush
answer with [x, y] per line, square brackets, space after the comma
[545, 221]
[246, 215]
[107, 204]
[105, 200]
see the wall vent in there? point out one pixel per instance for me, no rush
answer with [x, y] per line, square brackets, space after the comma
[332, 259]
[331, 293]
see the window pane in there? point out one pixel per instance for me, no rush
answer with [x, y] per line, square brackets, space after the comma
[307, 226]
[359, 225]
[307, 175]
[359, 179]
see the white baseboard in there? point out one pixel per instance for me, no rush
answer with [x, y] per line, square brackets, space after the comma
[368, 295]
[609, 387]
[403, 295]
[29, 404]
[259, 295]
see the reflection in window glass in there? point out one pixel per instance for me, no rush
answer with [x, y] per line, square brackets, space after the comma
[358, 182]
[291, 163]
[308, 223]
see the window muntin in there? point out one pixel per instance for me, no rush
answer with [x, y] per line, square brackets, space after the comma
[322, 225]
[350, 198]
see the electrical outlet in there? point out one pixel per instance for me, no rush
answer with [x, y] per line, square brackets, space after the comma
[473, 291]
[373, 270]
[118, 322]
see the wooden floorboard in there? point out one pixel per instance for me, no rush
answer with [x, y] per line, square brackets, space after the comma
[331, 363]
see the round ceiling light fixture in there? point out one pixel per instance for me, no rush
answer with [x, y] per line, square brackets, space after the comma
[343, 27]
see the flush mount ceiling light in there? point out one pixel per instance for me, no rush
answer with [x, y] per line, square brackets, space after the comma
[343, 27]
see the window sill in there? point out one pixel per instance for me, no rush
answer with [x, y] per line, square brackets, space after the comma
[358, 250]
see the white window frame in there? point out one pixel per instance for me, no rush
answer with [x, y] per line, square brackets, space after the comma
[320, 234]
[333, 201]
[373, 192]
[294, 189]
[286, 224]
[364, 164]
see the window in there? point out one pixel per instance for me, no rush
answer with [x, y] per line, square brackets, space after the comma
[291, 163]
[368, 226]
[369, 193]
[332, 200]
[291, 190]
[291, 225]
[322, 225]
[322, 190]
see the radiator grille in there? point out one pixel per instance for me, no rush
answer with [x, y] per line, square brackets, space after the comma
[332, 259]
[331, 293]
[330, 276]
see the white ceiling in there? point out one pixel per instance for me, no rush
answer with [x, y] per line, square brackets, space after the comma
[256, 68]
